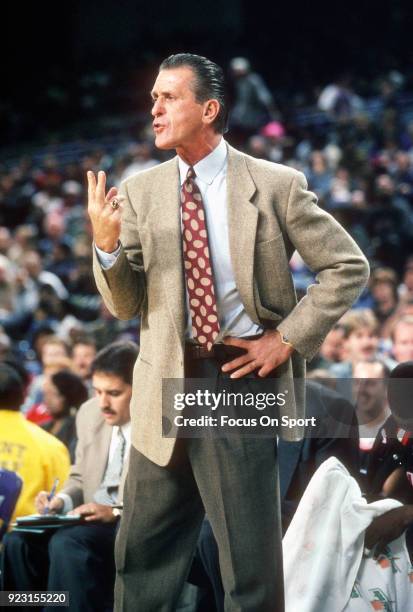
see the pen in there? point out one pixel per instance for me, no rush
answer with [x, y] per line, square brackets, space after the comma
[53, 491]
[51, 494]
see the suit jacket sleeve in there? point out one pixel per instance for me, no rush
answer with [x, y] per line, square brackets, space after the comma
[123, 286]
[340, 267]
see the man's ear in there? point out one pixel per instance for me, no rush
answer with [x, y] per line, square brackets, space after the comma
[211, 110]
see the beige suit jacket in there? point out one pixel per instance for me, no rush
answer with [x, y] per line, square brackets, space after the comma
[270, 214]
[92, 452]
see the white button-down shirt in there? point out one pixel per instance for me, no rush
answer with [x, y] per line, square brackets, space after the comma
[211, 178]
[126, 430]
[114, 440]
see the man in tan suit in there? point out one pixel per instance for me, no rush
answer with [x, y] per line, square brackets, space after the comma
[199, 248]
[80, 559]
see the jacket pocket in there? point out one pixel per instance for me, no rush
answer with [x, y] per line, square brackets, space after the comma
[274, 281]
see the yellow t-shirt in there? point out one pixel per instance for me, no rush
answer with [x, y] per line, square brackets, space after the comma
[35, 455]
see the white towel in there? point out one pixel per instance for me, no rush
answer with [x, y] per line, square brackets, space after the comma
[324, 567]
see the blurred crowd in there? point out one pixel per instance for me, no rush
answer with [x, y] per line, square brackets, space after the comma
[357, 154]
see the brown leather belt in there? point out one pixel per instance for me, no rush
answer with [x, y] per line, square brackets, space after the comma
[220, 352]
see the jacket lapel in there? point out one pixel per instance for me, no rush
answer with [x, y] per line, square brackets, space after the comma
[101, 443]
[168, 239]
[242, 224]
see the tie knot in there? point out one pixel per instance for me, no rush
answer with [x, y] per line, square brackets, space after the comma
[190, 174]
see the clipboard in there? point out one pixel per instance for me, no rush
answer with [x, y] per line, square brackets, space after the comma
[38, 523]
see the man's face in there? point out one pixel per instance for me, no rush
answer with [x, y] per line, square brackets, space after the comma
[52, 352]
[52, 398]
[82, 356]
[178, 117]
[371, 399]
[332, 347]
[361, 344]
[403, 342]
[114, 396]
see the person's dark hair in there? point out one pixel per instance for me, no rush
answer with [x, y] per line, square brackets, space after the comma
[11, 388]
[383, 364]
[71, 387]
[399, 392]
[117, 359]
[17, 365]
[85, 340]
[209, 82]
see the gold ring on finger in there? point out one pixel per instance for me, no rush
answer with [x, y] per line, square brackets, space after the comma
[115, 204]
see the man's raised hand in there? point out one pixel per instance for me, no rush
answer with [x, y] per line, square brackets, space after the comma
[105, 218]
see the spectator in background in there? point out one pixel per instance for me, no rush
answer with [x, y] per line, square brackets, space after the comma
[32, 263]
[400, 449]
[391, 222]
[372, 408]
[140, 159]
[383, 289]
[7, 288]
[5, 241]
[257, 147]
[107, 329]
[83, 354]
[39, 339]
[339, 100]
[24, 240]
[253, 104]
[54, 228]
[52, 350]
[36, 456]
[360, 341]
[406, 288]
[274, 134]
[392, 455]
[331, 351]
[402, 338]
[13, 362]
[319, 176]
[61, 262]
[39, 412]
[64, 392]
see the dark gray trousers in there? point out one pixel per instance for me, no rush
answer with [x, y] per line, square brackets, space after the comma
[77, 559]
[235, 481]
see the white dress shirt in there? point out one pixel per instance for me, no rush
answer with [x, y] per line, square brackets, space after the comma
[211, 179]
[126, 430]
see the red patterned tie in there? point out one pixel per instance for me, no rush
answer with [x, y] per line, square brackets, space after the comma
[198, 268]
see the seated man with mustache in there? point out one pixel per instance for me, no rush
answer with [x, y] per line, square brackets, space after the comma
[80, 559]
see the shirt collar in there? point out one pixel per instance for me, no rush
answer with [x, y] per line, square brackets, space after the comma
[208, 167]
